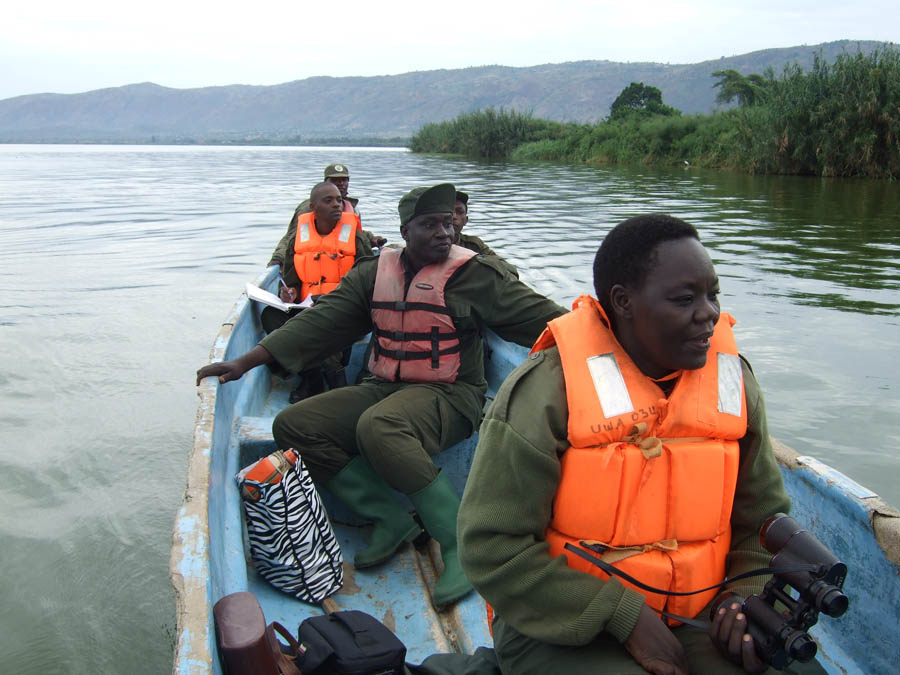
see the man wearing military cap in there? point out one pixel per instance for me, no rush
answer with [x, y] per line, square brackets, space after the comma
[328, 243]
[426, 306]
[335, 170]
[339, 175]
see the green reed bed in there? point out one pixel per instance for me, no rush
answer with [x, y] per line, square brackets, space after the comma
[840, 119]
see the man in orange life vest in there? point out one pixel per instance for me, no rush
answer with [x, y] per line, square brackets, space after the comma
[635, 426]
[338, 175]
[327, 242]
[426, 306]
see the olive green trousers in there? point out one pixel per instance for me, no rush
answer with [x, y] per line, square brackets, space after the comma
[397, 427]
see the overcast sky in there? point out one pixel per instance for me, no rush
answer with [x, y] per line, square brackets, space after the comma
[70, 47]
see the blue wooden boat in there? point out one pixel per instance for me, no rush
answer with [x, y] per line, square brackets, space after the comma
[233, 428]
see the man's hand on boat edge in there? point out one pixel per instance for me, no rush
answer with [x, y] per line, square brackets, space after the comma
[227, 371]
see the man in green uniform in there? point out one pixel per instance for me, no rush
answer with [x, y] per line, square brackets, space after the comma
[325, 202]
[339, 175]
[396, 427]
[469, 241]
[550, 617]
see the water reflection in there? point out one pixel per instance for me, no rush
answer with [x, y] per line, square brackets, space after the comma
[840, 232]
[784, 231]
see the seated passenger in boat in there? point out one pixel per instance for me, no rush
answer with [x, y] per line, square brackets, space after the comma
[339, 176]
[469, 241]
[426, 306]
[330, 241]
[636, 427]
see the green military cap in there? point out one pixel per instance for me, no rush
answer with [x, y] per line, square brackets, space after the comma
[438, 199]
[337, 171]
[462, 197]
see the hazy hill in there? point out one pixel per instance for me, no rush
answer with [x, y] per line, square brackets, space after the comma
[371, 107]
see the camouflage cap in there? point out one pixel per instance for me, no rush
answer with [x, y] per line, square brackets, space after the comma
[438, 199]
[337, 171]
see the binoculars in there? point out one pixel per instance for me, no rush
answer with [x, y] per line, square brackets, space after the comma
[802, 562]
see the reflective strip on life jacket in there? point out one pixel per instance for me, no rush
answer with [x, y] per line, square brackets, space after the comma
[651, 474]
[321, 261]
[414, 338]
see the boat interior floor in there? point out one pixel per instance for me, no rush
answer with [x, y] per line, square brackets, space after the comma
[398, 593]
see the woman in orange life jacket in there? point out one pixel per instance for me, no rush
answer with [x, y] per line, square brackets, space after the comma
[634, 425]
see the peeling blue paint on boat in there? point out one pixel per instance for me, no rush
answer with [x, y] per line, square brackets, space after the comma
[193, 565]
[843, 514]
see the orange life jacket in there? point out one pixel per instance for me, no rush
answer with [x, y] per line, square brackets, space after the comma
[414, 338]
[649, 480]
[320, 261]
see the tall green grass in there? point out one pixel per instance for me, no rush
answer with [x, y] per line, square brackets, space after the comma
[837, 120]
[841, 119]
[484, 133]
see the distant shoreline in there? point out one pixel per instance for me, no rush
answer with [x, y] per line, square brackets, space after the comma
[374, 111]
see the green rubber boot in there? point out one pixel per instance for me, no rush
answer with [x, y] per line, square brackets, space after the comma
[368, 496]
[437, 504]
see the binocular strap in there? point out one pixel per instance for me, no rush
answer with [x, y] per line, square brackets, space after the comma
[697, 623]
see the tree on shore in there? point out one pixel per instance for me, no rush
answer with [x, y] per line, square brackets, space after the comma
[749, 91]
[641, 99]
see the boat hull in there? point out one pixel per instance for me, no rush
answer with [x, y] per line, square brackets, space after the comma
[233, 429]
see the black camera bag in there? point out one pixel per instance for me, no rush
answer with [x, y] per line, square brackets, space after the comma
[349, 642]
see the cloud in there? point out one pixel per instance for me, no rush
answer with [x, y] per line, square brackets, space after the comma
[73, 47]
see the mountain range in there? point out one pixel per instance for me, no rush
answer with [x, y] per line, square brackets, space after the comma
[380, 109]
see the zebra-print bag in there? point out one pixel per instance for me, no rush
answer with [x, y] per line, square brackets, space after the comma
[291, 540]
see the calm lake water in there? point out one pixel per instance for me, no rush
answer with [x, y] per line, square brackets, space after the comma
[118, 263]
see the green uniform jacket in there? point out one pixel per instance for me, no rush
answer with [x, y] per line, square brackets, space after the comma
[473, 243]
[279, 255]
[289, 272]
[508, 502]
[478, 294]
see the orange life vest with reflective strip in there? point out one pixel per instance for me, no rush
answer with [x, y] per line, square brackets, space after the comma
[414, 338]
[320, 261]
[648, 480]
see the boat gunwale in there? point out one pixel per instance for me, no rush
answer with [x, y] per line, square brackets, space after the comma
[884, 518]
[189, 565]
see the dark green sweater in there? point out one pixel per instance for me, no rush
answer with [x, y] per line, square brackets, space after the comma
[508, 504]
[473, 243]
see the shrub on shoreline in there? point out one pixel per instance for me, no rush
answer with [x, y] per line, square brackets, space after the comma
[483, 133]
